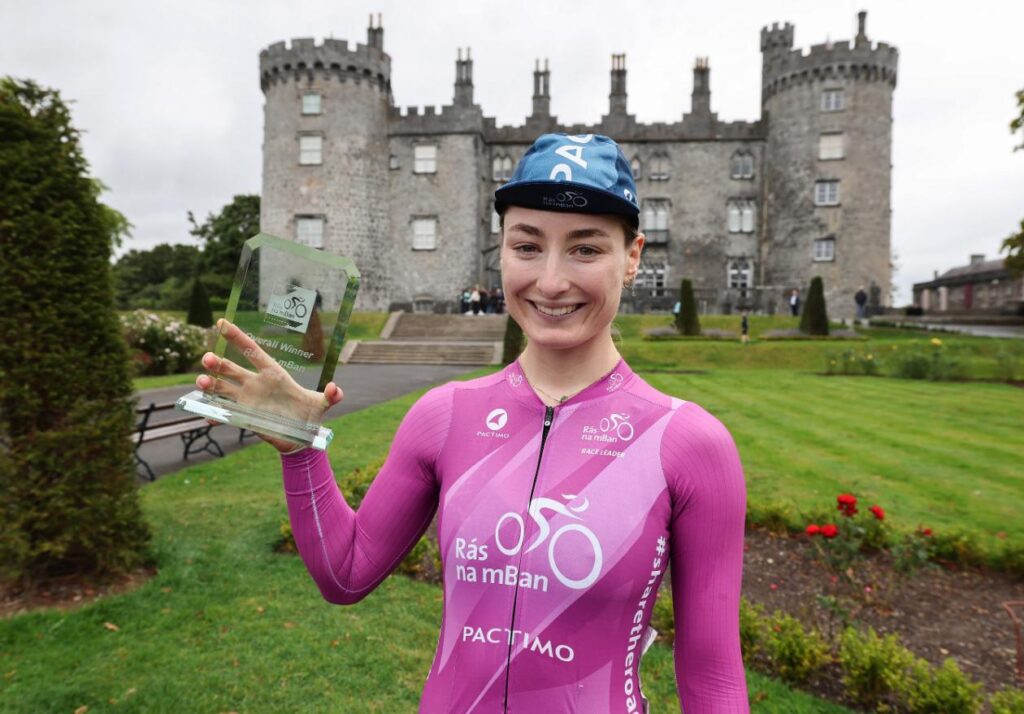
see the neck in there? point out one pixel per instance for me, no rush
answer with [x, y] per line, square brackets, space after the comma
[566, 372]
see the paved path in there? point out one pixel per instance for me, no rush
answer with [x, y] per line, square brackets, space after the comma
[364, 385]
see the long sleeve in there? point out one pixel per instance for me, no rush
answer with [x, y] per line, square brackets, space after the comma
[708, 509]
[350, 552]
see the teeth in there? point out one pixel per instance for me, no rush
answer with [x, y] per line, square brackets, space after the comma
[556, 312]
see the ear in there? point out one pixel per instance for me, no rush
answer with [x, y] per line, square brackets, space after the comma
[633, 254]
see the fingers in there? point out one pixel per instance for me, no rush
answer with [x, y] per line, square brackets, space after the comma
[333, 394]
[225, 368]
[222, 387]
[245, 344]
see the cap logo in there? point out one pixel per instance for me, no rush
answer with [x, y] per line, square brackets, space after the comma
[566, 199]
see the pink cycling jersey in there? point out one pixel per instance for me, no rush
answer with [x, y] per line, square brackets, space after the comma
[555, 526]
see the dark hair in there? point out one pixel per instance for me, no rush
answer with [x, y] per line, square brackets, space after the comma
[630, 226]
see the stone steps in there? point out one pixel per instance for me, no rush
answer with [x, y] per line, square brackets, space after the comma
[397, 352]
[462, 328]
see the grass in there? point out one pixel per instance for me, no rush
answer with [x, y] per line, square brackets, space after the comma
[228, 625]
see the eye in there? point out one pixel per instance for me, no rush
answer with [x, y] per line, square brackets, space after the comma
[524, 249]
[588, 251]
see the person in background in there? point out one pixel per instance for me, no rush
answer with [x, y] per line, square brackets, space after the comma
[861, 299]
[745, 327]
[794, 302]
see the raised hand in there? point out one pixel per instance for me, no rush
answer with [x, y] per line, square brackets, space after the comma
[270, 386]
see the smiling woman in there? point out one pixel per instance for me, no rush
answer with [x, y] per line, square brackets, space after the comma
[565, 486]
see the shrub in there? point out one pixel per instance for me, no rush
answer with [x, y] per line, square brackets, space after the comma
[663, 618]
[933, 361]
[850, 361]
[814, 320]
[199, 312]
[514, 341]
[163, 345]
[874, 667]
[794, 653]
[686, 321]
[940, 690]
[774, 516]
[1007, 364]
[68, 499]
[753, 630]
[1008, 701]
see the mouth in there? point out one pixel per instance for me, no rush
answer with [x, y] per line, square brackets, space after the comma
[556, 312]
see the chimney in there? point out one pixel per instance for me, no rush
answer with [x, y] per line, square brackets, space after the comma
[375, 35]
[464, 79]
[617, 98]
[862, 35]
[977, 258]
[700, 100]
[541, 90]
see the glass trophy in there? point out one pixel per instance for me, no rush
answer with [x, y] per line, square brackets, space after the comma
[295, 303]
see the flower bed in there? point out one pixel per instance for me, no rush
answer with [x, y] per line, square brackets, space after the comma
[160, 344]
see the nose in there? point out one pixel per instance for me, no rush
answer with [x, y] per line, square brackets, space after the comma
[552, 280]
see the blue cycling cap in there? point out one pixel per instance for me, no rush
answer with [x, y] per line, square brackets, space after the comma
[587, 173]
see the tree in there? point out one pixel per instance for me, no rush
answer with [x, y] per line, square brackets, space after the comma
[513, 341]
[222, 236]
[199, 312]
[814, 320]
[1013, 245]
[686, 321]
[67, 478]
[160, 278]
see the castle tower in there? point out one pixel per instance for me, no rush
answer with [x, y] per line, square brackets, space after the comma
[617, 97]
[541, 90]
[828, 154]
[325, 152]
[464, 80]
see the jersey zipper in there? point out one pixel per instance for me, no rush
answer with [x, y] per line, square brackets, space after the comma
[549, 417]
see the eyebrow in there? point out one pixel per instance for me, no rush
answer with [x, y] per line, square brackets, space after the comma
[578, 234]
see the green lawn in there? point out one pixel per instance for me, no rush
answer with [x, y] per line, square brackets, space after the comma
[228, 625]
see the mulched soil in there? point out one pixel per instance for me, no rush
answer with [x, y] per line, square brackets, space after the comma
[69, 593]
[938, 612]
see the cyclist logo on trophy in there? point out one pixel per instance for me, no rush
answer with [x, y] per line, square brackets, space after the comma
[292, 309]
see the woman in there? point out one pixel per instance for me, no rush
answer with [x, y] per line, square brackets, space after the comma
[564, 485]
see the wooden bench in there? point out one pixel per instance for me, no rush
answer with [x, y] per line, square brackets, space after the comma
[194, 432]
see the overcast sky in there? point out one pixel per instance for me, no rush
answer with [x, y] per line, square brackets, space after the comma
[168, 92]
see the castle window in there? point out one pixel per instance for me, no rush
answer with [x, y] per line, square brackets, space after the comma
[826, 193]
[655, 215]
[741, 166]
[424, 233]
[740, 272]
[309, 230]
[652, 277]
[425, 159]
[825, 249]
[637, 168]
[311, 149]
[659, 167]
[495, 221]
[832, 100]
[393, 162]
[741, 216]
[501, 168]
[830, 146]
[311, 103]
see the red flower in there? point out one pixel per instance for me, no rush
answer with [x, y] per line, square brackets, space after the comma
[829, 530]
[926, 532]
[813, 529]
[879, 513]
[847, 504]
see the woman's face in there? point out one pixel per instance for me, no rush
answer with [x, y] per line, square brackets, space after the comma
[562, 274]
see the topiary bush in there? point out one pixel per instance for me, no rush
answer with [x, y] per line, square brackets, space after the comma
[686, 321]
[514, 342]
[814, 320]
[67, 477]
[199, 312]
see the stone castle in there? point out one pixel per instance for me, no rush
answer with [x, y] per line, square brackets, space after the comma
[748, 210]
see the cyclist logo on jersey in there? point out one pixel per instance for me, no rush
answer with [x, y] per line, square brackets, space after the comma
[537, 508]
[291, 310]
